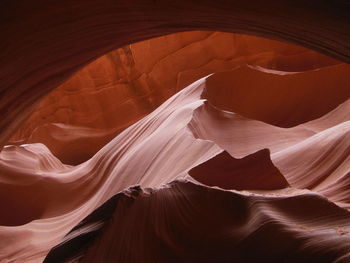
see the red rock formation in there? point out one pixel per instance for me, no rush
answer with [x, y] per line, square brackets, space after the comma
[187, 181]
[214, 225]
[123, 86]
[282, 99]
[46, 42]
[254, 172]
[185, 136]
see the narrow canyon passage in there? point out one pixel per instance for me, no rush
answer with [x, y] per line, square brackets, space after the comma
[198, 146]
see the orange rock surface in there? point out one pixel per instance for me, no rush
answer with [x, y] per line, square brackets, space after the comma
[192, 147]
[123, 86]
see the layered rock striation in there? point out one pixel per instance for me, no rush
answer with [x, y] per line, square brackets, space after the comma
[213, 173]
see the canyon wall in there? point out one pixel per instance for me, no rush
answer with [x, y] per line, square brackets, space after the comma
[121, 87]
[199, 146]
[45, 42]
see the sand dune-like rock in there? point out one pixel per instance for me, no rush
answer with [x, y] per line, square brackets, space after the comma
[185, 222]
[83, 142]
[123, 86]
[185, 136]
[254, 172]
[101, 170]
[282, 99]
[118, 165]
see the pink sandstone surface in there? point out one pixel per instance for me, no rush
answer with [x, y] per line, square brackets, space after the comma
[192, 147]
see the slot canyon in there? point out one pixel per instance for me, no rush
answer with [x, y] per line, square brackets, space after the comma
[175, 131]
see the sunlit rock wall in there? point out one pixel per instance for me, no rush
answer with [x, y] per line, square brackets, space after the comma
[123, 86]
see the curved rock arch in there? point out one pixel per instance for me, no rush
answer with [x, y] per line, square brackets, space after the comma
[45, 42]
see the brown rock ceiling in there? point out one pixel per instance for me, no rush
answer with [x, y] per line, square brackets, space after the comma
[46, 42]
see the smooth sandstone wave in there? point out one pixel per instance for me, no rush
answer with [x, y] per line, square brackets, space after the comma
[125, 85]
[186, 222]
[84, 182]
[178, 139]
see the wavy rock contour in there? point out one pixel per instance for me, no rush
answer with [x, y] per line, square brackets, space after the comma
[191, 143]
